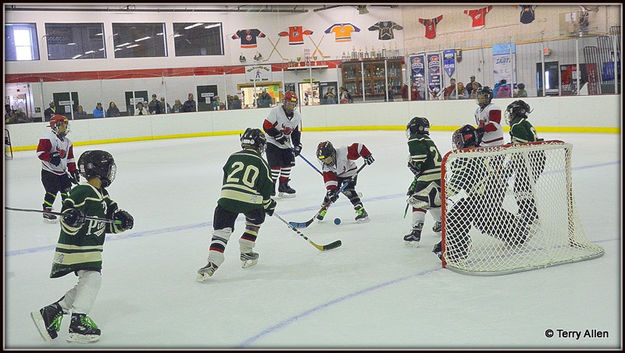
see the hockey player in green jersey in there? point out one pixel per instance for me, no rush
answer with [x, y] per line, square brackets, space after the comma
[247, 186]
[424, 192]
[79, 248]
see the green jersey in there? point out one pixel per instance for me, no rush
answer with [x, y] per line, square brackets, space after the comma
[247, 182]
[80, 248]
[522, 131]
[425, 156]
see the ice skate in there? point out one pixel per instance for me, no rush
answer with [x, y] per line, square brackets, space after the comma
[437, 227]
[48, 320]
[47, 216]
[285, 191]
[249, 259]
[205, 272]
[361, 215]
[321, 215]
[414, 237]
[82, 329]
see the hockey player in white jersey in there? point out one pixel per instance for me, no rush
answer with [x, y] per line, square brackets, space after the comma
[283, 128]
[488, 119]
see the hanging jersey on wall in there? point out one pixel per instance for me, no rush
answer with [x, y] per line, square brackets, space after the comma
[386, 29]
[342, 31]
[248, 37]
[295, 34]
[527, 13]
[430, 26]
[478, 16]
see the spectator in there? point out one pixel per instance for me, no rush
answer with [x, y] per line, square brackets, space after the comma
[520, 92]
[112, 110]
[475, 86]
[449, 89]
[345, 96]
[49, 112]
[80, 113]
[154, 107]
[165, 107]
[264, 100]
[502, 89]
[414, 93]
[9, 116]
[330, 97]
[189, 105]
[214, 105]
[177, 108]
[98, 112]
[472, 86]
[404, 92]
[462, 92]
[229, 101]
[141, 109]
[236, 102]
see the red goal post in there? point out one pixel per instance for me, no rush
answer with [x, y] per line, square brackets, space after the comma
[510, 208]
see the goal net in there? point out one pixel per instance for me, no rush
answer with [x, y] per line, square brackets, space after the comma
[510, 208]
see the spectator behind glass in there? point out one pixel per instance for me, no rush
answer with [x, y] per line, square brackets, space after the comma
[177, 108]
[141, 110]
[165, 107]
[473, 94]
[264, 100]
[112, 110]
[215, 104]
[154, 107]
[520, 92]
[236, 102]
[49, 112]
[98, 112]
[462, 92]
[330, 97]
[471, 84]
[80, 113]
[449, 89]
[502, 89]
[345, 96]
[9, 116]
[189, 105]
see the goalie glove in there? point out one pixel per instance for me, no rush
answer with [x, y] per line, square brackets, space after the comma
[125, 219]
[73, 217]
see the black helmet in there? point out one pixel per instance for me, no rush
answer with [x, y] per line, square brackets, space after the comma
[99, 164]
[465, 137]
[516, 109]
[326, 152]
[418, 125]
[254, 138]
[484, 91]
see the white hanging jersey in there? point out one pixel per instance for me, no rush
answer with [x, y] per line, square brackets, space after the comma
[277, 118]
[345, 167]
[53, 143]
[489, 118]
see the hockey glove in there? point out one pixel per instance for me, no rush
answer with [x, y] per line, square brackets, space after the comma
[126, 220]
[332, 195]
[412, 187]
[271, 207]
[480, 133]
[413, 168]
[73, 217]
[280, 138]
[75, 177]
[369, 159]
[55, 158]
[297, 150]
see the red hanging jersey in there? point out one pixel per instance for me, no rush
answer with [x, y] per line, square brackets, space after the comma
[478, 16]
[296, 35]
[430, 26]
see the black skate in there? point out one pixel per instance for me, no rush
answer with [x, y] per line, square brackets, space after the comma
[414, 237]
[284, 190]
[82, 329]
[438, 250]
[453, 256]
[47, 216]
[48, 320]
[205, 272]
[437, 227]
[361, 214]
[249, 259]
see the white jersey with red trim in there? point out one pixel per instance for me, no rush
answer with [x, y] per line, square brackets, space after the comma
[489, 118]
[53, 143]
[277, 118]
[345, 166]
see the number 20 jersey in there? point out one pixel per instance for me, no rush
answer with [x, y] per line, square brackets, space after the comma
[247, 182]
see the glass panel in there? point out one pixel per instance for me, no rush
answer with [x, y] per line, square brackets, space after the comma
[198, 39]
[75, 41]
[139, 40]
[20, 41]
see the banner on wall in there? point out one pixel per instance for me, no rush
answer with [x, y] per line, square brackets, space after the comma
[503, 62]
[417, 69]
[434, 75]
[258, 73]
[449, 61]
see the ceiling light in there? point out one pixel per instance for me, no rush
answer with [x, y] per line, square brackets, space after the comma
[132, 46]
[123, 44]
[89, 52]
[144, 38]
[193, 25]
[72, 43]
[76, 56]
[212, 26]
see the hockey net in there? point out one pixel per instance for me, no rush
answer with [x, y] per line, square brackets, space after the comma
[8, 148]
[510, 208]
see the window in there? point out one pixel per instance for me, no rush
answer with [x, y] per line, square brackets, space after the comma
[198, 38]
[75, 41]
[139, 40]
[20, 41]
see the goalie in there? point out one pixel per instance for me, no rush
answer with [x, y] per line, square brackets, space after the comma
[476, 188]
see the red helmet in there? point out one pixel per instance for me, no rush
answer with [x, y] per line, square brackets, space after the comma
[290, 96]
[55, 121]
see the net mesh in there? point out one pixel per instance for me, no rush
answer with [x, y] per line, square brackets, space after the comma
[510, 208]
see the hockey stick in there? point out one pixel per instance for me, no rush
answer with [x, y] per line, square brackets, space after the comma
[274, 49]
[332, 245]
[310, 164]
[317, 48]
[63, 214]
[324, 207]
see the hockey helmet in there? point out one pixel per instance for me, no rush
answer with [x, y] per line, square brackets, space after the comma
[59, 124]
[98, 164]
[326, 153]
[254, 138]
[484, 96]
[464, 137]
[516, 109]
[418, 125]
[290, 101]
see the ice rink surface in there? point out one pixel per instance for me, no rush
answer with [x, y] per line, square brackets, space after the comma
[372, 292]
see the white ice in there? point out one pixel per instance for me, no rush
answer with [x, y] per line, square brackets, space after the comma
[372, 292]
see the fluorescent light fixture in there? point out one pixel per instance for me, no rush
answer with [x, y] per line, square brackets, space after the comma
[212, 26]
[194, 25]
[159, 34]
[118, 49]
[144, 38]
[89, 52]
[121, 45]
[101, 49]
[76, 56]
[132, 46]
[98, 34]
[72, 43]
[177, 35]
